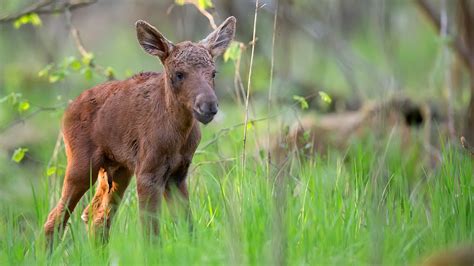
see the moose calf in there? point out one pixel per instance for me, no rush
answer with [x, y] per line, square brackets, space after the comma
[145, 125]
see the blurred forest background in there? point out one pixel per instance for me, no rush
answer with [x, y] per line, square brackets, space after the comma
[326, 74]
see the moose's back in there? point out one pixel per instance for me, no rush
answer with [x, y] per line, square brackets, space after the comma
[110, 114]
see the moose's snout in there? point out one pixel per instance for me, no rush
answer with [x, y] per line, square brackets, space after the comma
[205, 108]
[209, 108]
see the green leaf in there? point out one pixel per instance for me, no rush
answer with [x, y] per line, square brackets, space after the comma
[35, 19]
[109, 71]
[180, 2]
[87, 72]
[325, 97]
[51, 171]
[19, 154]
[31, 18]
[74, 63]
[57, 76]
[249, 126]
[23, 106]
[53, 78]
[87, 59]
[128, 73]
[302, 101]
[233, 52]
[205, 4]
[44, 72]
[306, 136]
[11, 98]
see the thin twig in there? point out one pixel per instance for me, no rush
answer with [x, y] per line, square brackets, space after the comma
[208, 16]
[82, 50]
[228, 129]
[47, 7]
[447, 58]
[270, 87]
[460, 49]
[203, 11]
[248, 85]
[28, 116]
[238, 85]
[75, 34]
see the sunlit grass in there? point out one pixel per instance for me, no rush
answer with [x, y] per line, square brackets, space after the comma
[358, 208]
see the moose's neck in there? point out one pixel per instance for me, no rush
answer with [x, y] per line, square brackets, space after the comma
[183, 119]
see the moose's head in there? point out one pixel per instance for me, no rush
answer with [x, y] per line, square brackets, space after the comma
[189, 67]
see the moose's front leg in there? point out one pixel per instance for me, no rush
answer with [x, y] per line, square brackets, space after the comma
[177, 183]
[150, 189]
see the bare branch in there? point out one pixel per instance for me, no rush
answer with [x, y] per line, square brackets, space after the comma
[47, 7]
[29, 116]
[203, 11]
[249, 82]
[80, 46]
[75, 34]
[208, 16]
[270, 86]
[460, 49]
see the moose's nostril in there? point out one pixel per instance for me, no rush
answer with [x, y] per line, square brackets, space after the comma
[213, 108]
[213, 111]
[208, 108]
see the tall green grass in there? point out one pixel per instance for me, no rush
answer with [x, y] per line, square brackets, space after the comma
[365, 206]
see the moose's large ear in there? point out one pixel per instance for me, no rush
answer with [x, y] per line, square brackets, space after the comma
[218, 41]
[152, 41]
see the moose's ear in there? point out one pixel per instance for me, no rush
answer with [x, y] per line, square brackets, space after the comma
[218, 41]
[152, 41]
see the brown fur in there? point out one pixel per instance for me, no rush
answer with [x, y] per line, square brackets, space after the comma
[460, 256]
[145, 125]
[312, 134]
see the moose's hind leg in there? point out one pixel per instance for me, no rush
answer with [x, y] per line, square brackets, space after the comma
[112, 185]
[80, 175]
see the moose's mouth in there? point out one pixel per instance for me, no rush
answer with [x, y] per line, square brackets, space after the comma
[203, 117]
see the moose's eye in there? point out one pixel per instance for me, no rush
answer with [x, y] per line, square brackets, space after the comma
[214, 74]
[179, 76]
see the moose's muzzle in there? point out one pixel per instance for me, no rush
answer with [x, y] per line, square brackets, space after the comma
[205, 108]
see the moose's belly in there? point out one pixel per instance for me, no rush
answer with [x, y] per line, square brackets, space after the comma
[179, 165]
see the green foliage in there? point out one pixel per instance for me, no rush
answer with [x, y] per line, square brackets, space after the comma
[23, 106]
[109, 71]
[87, 59]
[357, 207]
[87, 73]
[70, 64]
[44, 72]
[31, 18]
[17, 101]
[74, 64]
[202, 4]
[51, 171]
[11, 98]
[233, 52]
[325, 97]
[302, 101]
[205, 4]
[335, 211]
[19, 154]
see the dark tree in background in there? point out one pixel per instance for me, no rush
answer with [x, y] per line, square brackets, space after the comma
[463, 45]
[465, 10]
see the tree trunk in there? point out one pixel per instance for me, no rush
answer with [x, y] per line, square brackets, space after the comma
[469, 120]
[465, 22]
